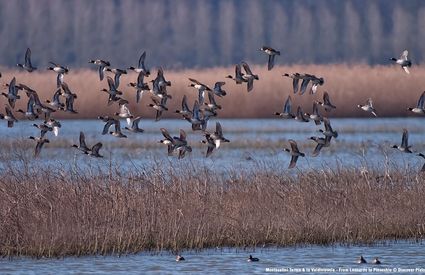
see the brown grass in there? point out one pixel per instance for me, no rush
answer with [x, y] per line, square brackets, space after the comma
[391, 89]
[76, 212]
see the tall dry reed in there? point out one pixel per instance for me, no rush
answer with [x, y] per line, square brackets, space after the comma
[391, 89]
[88, 211]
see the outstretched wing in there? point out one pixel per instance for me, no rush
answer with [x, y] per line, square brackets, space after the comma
[404, 139]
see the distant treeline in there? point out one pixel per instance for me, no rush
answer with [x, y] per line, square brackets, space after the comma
[202, 33]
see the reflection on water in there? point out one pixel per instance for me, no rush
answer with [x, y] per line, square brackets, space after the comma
[402, 255]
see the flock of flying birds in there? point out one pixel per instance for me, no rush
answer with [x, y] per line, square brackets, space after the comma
[198, 116]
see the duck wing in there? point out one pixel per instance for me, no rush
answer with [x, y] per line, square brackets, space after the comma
[83, 141]
[246, 68]
[142, 60]
[405, 139]
[288, 106]
[293, 162]
[270, 63]
[166, 134]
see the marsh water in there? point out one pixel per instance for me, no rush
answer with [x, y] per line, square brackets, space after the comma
[361, 142]
[396, 257]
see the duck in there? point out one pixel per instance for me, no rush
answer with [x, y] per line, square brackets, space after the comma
[217, 136]
[94, 151]
[82, 144]
[201, 89]
[271, 53]
[54, 124]
[29, 113]
[295, 80]
[27, 64]
[109, 122]
[60, 70]
[112, 87]
[196, 120]
[295, 153]
[306, 80]
[176, 143]
[168, 140]
[69, 98]
[181, 145]
[43, 129]
[252, 259]
[301, 117]
[321, 142]
[117, 74]
[180, 258]
[140, 86]
[55, 102]
[102, 64]
[404, 147]
[286, 114]
[9, 117]
[403, 61]
[328, 132]
[141, 66]
[249, 76]
[185, 111]
[12, 94]
[210, 144]
[135, 126]
[218, 91]
[361, 260]
[124, 112]
[315, 82]
[326, 102]
[40, 142]
[315, 116]
[368, 107]
[160, 81]
[238, 78]
[376, 261]
[419, 109]
[159, 106]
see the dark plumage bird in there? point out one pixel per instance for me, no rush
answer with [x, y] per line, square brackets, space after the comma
[9, 117]
[295, 153]
[404, 147]
[27, 64]
[12, 94]
[102, 64]
[271, 53]
[40, 142]
[141, 66]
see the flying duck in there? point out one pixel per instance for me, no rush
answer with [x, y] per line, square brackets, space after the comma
[403, 61]
[295, 153]
[404, 147]
[271, 53]
[27, 65]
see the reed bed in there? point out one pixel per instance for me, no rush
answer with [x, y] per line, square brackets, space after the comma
[91, 211]
[348, 85]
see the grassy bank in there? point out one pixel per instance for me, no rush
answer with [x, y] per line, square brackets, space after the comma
[391, 89]
[79, 212]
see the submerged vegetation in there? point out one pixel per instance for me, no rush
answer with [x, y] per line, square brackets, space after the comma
[80, 211]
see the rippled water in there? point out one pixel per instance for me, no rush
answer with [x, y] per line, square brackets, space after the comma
[395, 256]
[360, 142]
